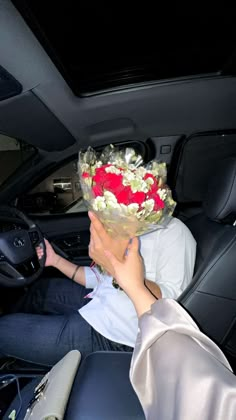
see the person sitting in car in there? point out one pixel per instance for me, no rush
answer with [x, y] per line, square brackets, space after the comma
[176, 371]
[104, 319]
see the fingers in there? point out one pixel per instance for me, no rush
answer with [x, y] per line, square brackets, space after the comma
[39, 249]
[113, 260]
[48, 245]
[91, 247]
[94, 236]
[95, 242]
[39, 252]
[134, 245]
[95, 222]
[91, 215]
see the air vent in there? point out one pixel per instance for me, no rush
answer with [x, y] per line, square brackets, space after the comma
[8, 85]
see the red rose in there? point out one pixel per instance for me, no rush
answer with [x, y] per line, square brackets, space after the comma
[100, 173]
[98, 178]
[149, 175]
[153, 187]
[97, 190]
[106, 181]
[123, 196]
[159, 204]
[126, 196]
[112, 182]
[138, 197]
[85, 175]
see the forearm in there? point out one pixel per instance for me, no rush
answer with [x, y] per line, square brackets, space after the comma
[142, 300]
[153, 288]
[68, 268]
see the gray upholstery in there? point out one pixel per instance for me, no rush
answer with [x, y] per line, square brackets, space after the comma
[211, 297]
[220, 203]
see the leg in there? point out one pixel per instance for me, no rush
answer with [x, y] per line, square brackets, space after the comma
[44, 339]
[57, 296]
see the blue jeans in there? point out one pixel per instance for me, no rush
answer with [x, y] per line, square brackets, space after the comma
[46, 325]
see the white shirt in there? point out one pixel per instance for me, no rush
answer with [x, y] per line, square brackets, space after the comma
[169, 258]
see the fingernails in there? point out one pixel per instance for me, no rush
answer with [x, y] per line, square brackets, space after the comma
[91, 214]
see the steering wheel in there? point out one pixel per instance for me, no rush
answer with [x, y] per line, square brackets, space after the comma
[19, 264]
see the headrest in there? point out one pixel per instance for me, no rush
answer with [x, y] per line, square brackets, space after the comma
[220, 202]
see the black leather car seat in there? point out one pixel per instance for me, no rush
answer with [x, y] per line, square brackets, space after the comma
[211, 296]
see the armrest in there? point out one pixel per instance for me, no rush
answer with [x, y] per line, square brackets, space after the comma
[102, 389]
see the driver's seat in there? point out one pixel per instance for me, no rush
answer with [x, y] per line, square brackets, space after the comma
[211, 297]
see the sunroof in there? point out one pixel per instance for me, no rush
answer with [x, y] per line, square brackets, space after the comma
[100, 46]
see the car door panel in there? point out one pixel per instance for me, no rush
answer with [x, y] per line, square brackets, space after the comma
[69, 235]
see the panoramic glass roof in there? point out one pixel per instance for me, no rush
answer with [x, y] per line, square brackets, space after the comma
[106, 45]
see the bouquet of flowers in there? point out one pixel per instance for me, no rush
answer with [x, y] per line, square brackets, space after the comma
[129, 198]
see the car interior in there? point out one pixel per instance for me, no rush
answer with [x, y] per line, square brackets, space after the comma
[57, 98]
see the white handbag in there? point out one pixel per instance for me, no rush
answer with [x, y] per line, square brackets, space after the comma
[52, 393]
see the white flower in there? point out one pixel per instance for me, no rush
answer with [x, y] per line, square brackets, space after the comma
[148, 205]
[110, 200]
[141, 171]
[159, 169]
[86, 196]
[99, 204]
[84, 167]
[162, 194]
[128, 177]
[136, 185]
[140, 214]
[88, 181]
[110, 196]
[118, 162]
[132, 208]
[112, 170]
[112, 205]
[144, 186]
[149, 181]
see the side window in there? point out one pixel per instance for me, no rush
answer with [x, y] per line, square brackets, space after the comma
[60, 192]
[12, 155]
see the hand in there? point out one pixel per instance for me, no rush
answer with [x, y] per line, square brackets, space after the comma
[129, 273]
[51, 256]
[101, 240]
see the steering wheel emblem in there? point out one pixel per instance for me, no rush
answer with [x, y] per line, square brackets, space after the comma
[19, 242]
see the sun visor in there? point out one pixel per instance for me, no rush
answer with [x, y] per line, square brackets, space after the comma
[26, 118]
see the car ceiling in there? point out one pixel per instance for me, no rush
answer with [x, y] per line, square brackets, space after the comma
[49, 115]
